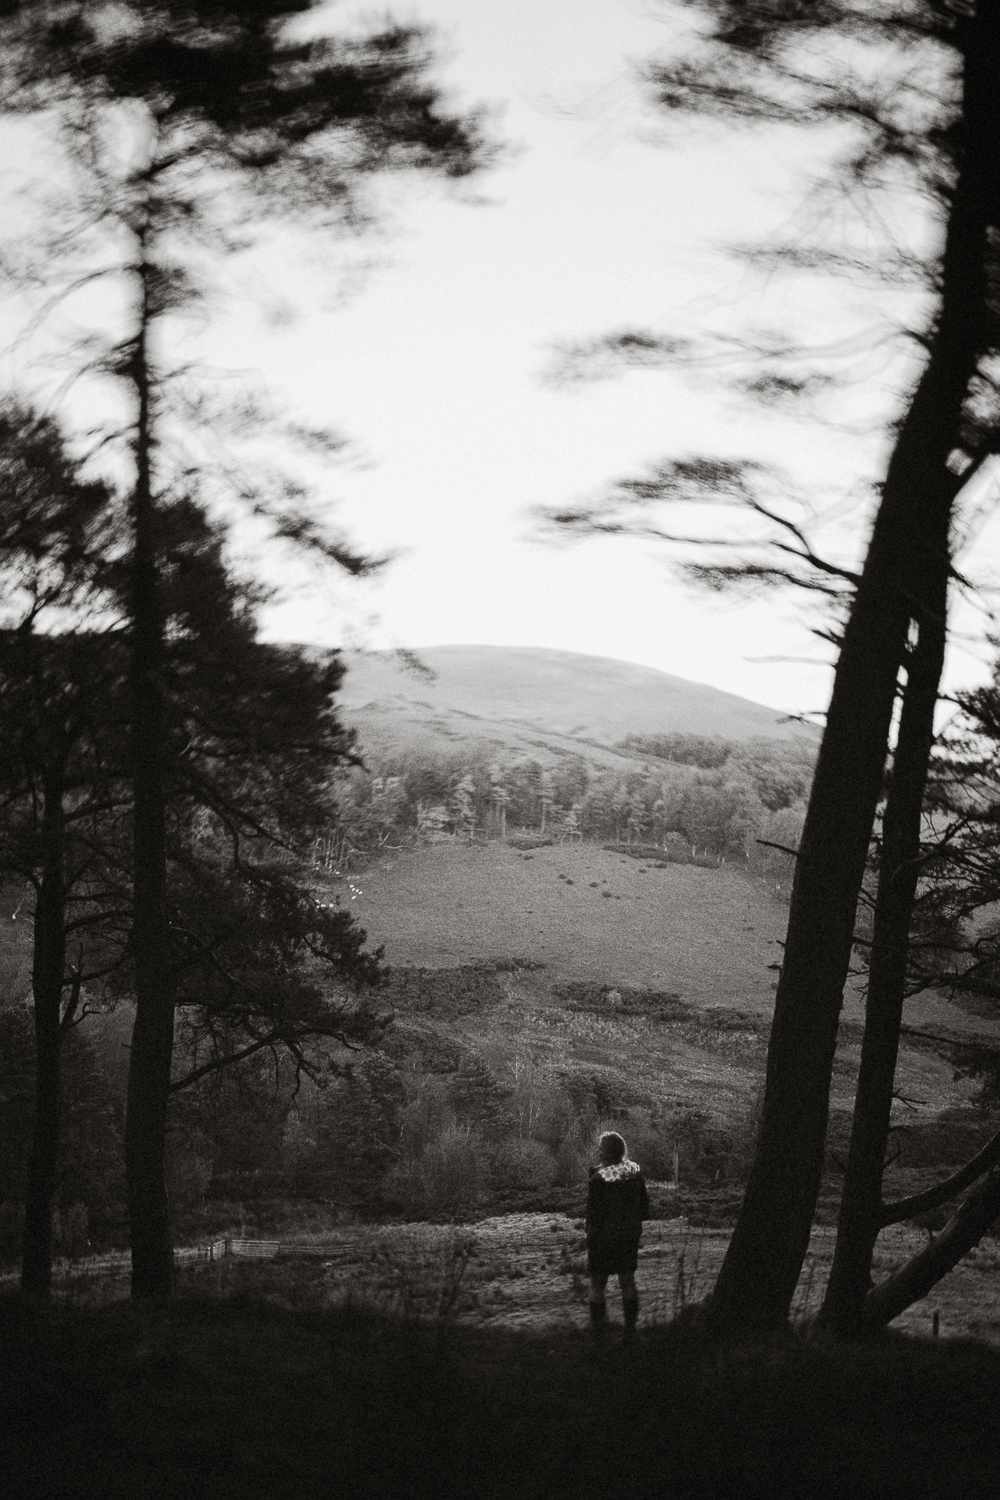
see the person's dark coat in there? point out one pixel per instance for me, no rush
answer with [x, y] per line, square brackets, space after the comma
[617, 1203]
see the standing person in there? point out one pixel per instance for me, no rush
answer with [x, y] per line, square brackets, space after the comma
[617, 1203]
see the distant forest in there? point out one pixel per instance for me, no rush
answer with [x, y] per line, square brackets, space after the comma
[693, 796]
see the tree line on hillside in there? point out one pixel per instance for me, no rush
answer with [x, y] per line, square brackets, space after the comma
[693, 797]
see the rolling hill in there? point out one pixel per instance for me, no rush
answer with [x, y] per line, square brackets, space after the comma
[526, 700]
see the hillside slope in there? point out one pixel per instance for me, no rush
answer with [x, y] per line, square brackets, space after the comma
[525, 700]
[712, 936]
[569, 923]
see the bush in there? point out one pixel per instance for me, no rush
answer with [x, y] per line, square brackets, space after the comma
[518, 1163]
[604, 999]
[453, 1169]
[446, 993]
[189, 1169]
[447, 1176]
[709, 1151]
[676, 849]
[73, 1236]
[707, 751]
[650, 1144]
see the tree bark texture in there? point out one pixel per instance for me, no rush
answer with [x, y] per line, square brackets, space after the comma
[48, 969]
[153, 1033]
[762, 1265]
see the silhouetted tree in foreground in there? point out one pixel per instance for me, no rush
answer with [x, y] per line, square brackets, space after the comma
[250, 743]
[180, 127]
[914, 90]
[61, 746]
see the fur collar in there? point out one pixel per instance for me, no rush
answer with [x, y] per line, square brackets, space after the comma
[619, 1171]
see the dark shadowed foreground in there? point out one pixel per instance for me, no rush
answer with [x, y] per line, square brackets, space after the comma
[251, 1394]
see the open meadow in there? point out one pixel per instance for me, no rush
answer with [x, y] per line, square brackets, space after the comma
[664, 973]
[711, 935]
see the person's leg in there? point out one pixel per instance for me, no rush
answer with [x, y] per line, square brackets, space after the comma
[598, 1305]
[630, 1299]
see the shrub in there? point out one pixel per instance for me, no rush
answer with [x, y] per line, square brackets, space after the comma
[188, 1179]
[441, 992]
[676, 849]
[707, 751]
[73, 1237]
[360, 1121]
[446, 1176]
[650, 1143]
[708, 1150]
[519, 1163]
[452, 1169]
[426, 1114]
[604, 999]
[189, 1168]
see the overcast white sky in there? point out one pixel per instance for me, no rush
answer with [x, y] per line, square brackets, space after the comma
[425, 347]
[433, 365]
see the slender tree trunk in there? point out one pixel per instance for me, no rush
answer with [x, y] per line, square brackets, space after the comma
[762, 1265]
[861, 1202]
[48, 968]
[153, 1034]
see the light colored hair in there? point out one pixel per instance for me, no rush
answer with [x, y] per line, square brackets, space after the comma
[612, 1145]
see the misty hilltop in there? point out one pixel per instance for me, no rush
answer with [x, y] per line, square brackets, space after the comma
[528, 699]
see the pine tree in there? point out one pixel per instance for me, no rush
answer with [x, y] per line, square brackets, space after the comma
[914, 86]
[230, 120]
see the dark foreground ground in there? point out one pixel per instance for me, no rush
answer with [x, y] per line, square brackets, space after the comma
[249, 1394]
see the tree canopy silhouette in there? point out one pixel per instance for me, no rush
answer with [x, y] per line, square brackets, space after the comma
[905, 99]
[184, 128]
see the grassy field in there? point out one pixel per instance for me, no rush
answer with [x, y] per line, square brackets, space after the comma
[707, 935]
[710, 938]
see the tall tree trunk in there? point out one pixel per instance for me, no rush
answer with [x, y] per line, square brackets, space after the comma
[48, 968]
[153, 1033]
[762, 1265]
[861, 1202]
